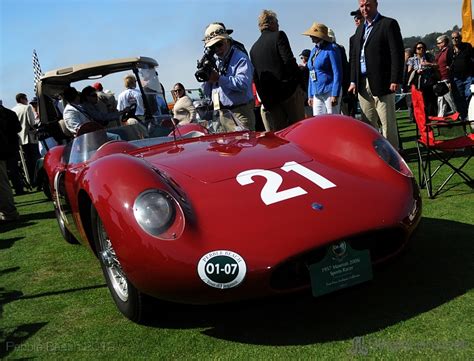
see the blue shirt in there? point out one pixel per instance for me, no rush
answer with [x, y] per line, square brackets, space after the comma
[367, 29]
[327, 64]
[235, 86]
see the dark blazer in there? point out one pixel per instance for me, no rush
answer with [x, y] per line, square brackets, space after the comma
[276, 73]
[384, 56]
[9, 128]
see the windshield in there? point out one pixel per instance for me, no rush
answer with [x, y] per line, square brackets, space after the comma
[156, 131]
[153, 91]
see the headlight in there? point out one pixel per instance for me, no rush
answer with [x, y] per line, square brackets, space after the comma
[385, 151]
[155, 211]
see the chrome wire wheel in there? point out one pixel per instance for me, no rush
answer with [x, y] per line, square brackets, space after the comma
[112, 265]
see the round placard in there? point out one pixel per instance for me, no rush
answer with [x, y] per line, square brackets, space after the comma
[222, 269]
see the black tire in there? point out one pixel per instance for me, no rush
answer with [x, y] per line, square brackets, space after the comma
[130, 302]
[68, 237]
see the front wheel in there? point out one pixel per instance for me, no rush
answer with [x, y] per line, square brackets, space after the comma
[68, 237]
[128, 299]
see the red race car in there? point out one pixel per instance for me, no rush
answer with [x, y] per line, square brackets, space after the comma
[215, 213]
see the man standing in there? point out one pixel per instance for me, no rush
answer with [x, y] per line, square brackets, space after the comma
[351, 97]
[377, 68]
[231, 86]
[304, 57]
[131, 95]
[28, 141]
[276, 75]
[462, 70]
[444, 59]
[9, 128]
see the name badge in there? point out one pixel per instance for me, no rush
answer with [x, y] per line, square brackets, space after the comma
[215, 99]
[312, 75]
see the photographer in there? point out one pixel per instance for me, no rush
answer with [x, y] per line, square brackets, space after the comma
[229, 82]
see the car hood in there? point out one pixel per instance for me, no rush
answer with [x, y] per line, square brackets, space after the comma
[321, 192]
[214, 159]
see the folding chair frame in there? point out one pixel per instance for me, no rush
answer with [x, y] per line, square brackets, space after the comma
[428, 148]
[425, 173]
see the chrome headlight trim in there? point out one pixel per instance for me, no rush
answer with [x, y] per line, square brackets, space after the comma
[155, 211]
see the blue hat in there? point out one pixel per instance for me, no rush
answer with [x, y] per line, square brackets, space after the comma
[34, 100]
[306, 53]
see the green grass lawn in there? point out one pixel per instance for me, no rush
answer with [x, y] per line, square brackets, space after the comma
[55, 305]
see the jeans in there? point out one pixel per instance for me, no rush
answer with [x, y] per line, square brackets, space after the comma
[462, 95]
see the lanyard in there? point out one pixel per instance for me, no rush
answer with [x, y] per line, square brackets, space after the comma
[314, 56]
[367, 32]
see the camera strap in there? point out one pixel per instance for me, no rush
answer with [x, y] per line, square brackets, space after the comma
[223, 66]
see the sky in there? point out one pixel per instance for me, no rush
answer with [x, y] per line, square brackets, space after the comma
[69, 32]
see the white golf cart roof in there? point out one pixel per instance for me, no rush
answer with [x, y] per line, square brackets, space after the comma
[53, 82]
[67, 75]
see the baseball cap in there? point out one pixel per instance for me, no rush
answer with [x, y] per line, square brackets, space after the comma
[306, 53]
[356, 13]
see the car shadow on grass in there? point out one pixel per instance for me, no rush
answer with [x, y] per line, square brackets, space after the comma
[437, 267]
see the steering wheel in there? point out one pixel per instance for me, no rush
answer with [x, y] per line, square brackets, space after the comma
[130, 113]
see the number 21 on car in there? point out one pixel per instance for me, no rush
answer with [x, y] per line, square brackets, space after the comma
[270, 192]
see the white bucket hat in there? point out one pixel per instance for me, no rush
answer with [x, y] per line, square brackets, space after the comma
[214, 33]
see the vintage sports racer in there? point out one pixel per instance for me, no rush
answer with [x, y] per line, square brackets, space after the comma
[215, 213]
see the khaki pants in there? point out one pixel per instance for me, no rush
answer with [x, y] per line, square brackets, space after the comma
[380, 108]
[246, 115]
[285, 113]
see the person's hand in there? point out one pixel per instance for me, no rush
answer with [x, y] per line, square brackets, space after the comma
[393, 87]
[334, 101]
[213, 77]
[352, 89]
[310, 102]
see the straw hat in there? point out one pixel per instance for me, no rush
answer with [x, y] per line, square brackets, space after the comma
[318, 30]
[214, 33]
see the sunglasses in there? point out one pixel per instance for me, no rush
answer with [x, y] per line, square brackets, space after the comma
[419, 48]
[177, 90]
[218, 45]
[441, 42]
[456, 37]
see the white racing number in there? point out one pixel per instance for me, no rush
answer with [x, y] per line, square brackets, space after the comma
[270, 192]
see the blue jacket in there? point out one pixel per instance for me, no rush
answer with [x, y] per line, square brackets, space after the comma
[235, 86]
[327, 64]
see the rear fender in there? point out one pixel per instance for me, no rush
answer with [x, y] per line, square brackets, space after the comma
[53, 162]
[344, 141]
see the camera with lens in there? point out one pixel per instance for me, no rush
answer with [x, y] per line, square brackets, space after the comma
[205, 66]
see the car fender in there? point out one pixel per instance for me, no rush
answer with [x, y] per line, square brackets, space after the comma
[53, 162]
[112, 184]
[347, 142]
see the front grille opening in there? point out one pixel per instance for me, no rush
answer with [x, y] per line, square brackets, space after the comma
[294, 273]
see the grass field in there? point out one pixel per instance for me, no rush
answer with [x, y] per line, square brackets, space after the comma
[55, 305]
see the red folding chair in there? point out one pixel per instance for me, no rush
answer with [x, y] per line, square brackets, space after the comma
[431, 146]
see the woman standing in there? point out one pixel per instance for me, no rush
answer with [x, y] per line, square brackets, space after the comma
[422, 72]
[183, 109]
[325, 72]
